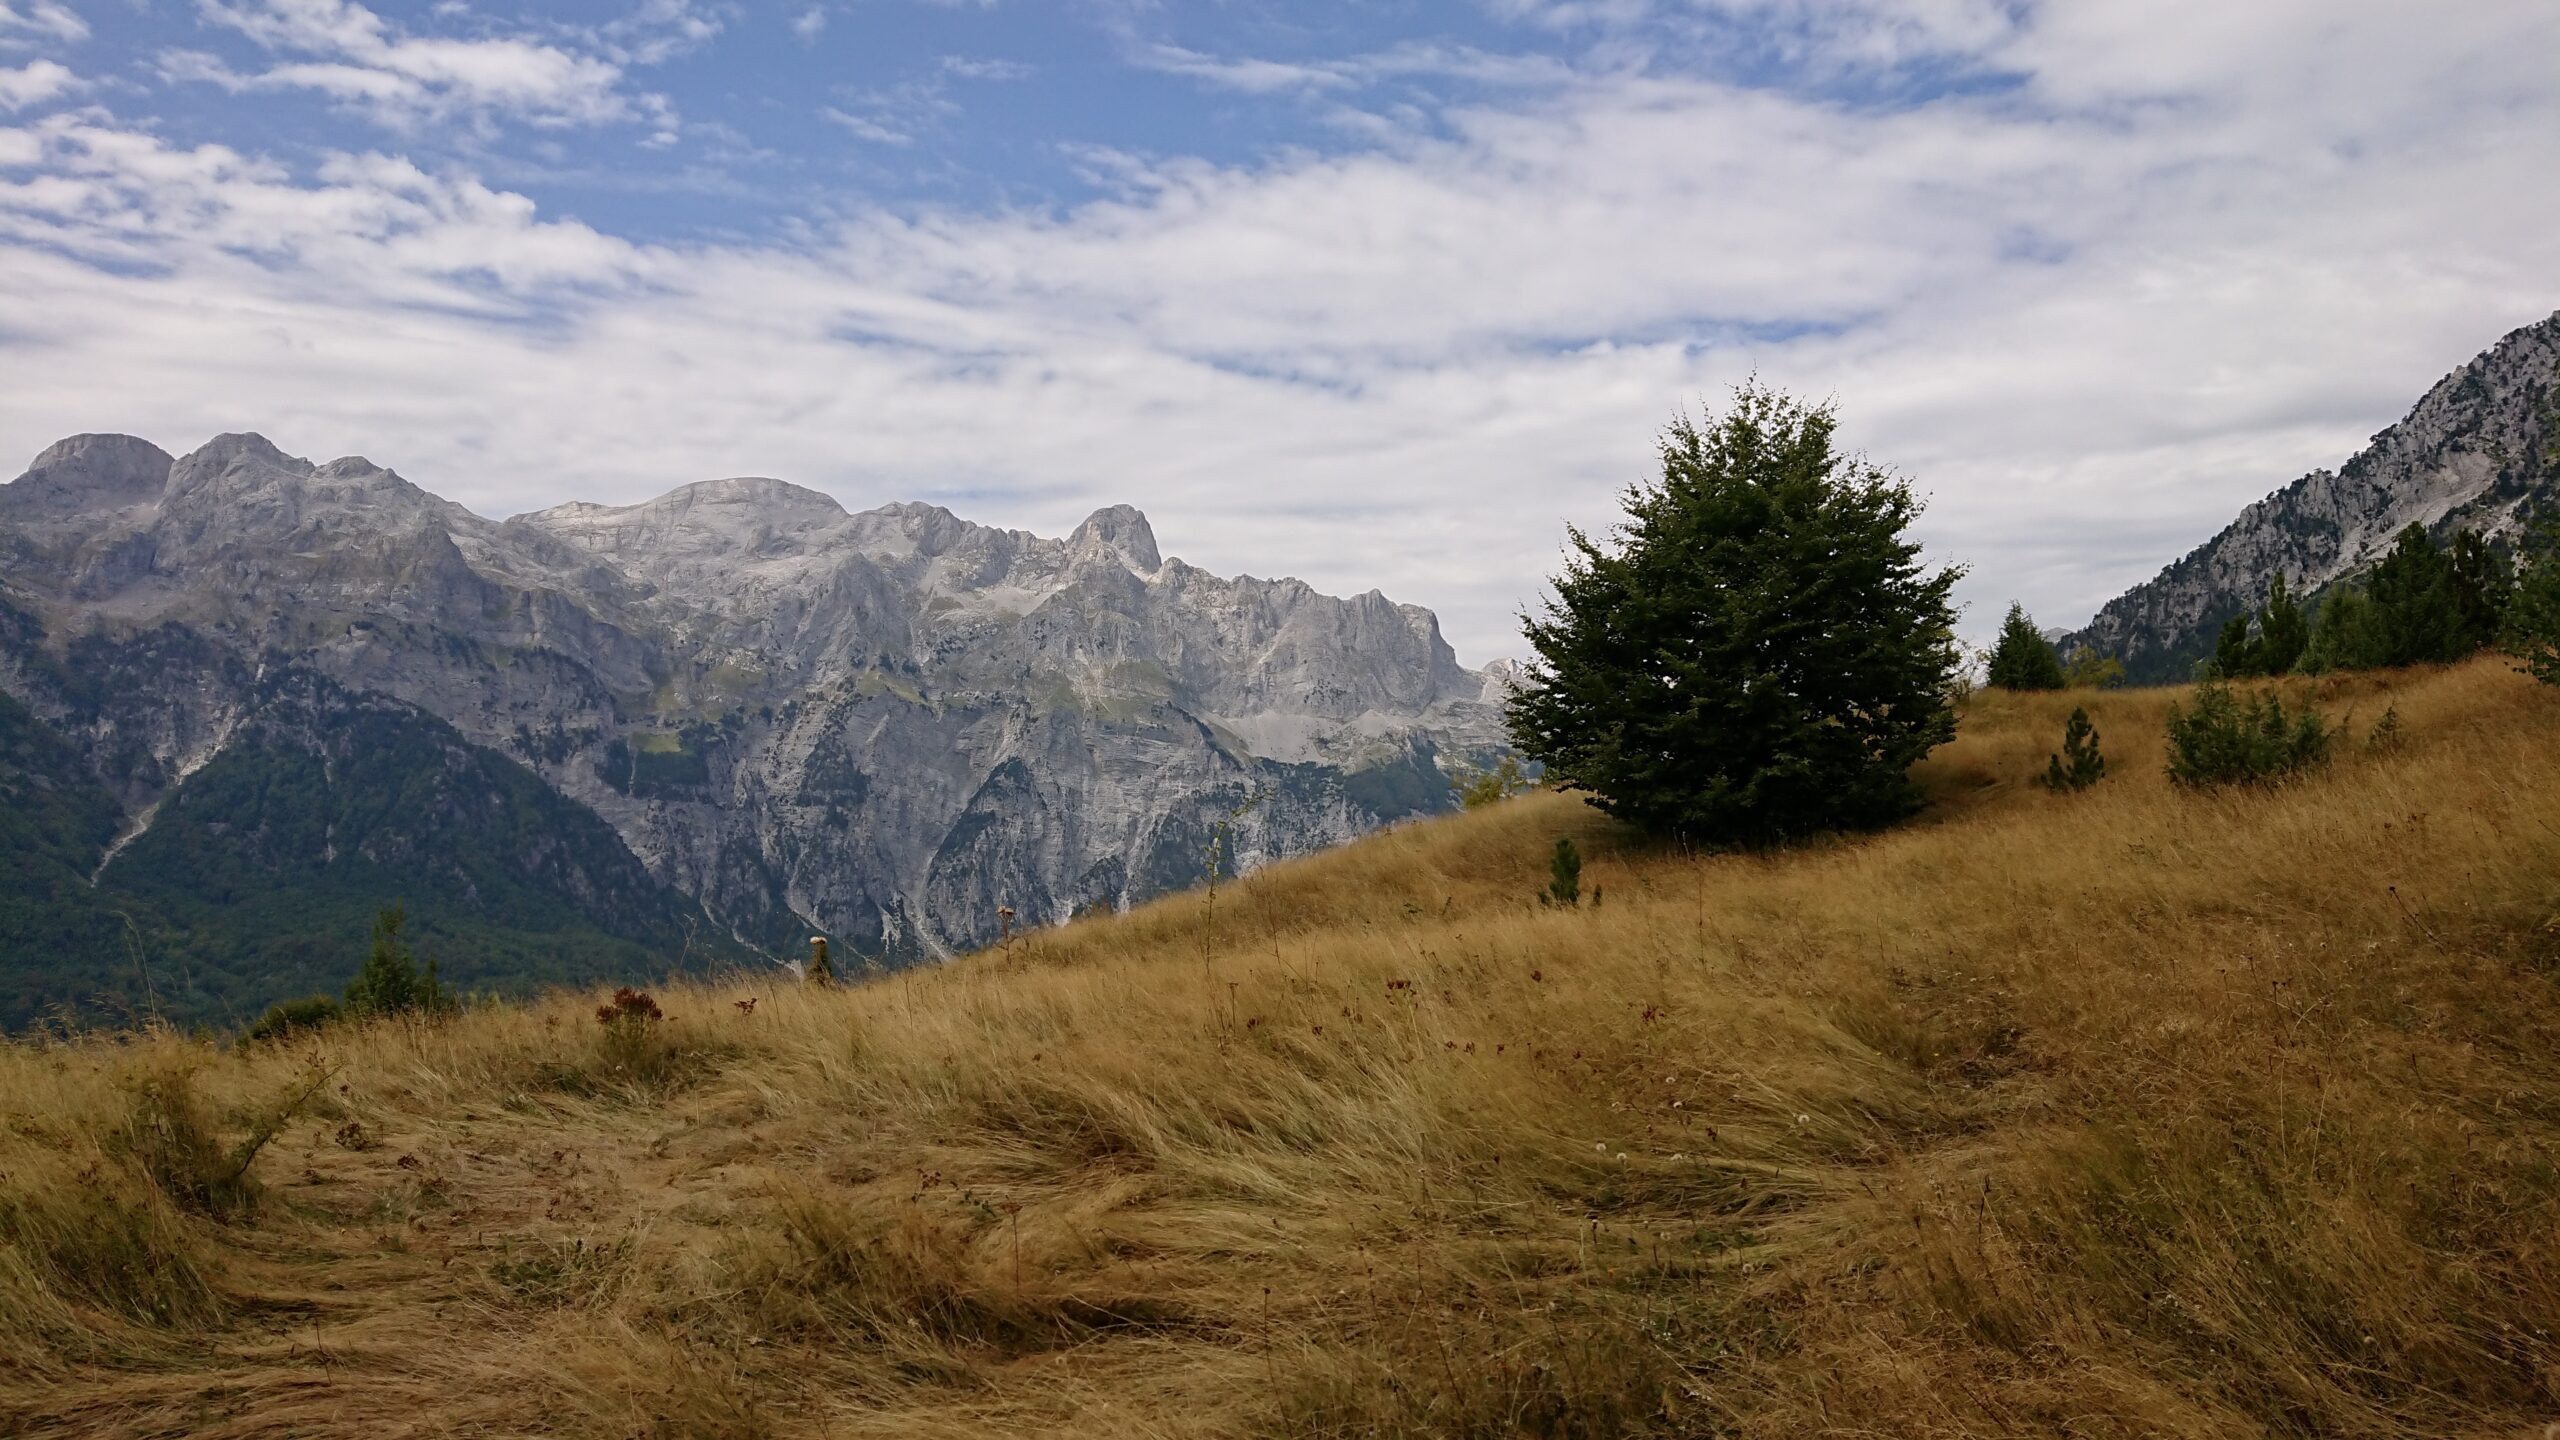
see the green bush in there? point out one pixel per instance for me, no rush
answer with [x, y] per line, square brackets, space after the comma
[2222, 739]
[2092, 669]
[287, 1018]
[1479, 788]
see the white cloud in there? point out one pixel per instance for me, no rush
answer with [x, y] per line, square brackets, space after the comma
[2092, 314]
[44, 19]
[1254, 77]
[809, 23]
[404, 80]
[34, 83]
[867, 129]
[966, 67]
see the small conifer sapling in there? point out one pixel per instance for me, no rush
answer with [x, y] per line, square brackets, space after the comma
[1564, 876]
[2079, 765]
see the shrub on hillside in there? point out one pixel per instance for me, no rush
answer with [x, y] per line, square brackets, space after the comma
[287, 1018]
[2222, 739]
[2022, 659]
[2092, 669]
[1760, 655]
[2385, 735]
[2079, 766]
[1500, 781]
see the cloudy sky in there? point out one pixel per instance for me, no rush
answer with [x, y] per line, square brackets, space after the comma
[1377, 294]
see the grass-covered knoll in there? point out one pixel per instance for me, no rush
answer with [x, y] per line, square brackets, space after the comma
[2135, 1111]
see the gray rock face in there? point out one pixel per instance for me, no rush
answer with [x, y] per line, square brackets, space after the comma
[880, 725]
[2474, 454]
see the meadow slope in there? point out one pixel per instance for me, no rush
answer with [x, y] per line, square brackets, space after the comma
[2134, 1113]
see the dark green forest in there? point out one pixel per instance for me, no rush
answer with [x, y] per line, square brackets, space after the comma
[260, 877]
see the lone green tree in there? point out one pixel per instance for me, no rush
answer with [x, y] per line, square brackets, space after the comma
[2023, 659]
[1758, 652]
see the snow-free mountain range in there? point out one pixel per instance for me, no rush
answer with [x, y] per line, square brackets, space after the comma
[244, 699]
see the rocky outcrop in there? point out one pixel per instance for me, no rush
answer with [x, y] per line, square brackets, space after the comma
[878, 725]
[2474, 454]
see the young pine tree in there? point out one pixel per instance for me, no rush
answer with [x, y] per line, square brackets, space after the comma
[1564, 876]
[2480, 585]
[2221, 739]
[391, 983]
[2272, 645]
[2415, 618]
[2079, 766]
[2235, 654]
[2532, 619]
[1760, 654]
[2022, 659]
[2283, 632]
[2422, 604]
[2343, 635]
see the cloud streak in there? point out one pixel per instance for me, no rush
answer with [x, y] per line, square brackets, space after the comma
[39, 20]
[360, 60]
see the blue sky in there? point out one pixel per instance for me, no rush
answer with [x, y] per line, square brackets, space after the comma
[1377, 294]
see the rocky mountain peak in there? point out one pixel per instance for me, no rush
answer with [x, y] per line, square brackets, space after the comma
[232, 454]
[743, 515]
[88, 474]
[1120, 532]
[2475, 453]
[237, 486]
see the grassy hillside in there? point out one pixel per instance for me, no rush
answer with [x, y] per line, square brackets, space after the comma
[2131, 1113]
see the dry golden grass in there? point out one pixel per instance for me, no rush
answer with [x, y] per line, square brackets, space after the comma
[2131, 1113]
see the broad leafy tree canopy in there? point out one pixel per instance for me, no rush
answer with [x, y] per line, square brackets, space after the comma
[1758, 652]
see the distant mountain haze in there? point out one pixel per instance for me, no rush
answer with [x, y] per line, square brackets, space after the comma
[257, 696]
[2475, 453]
